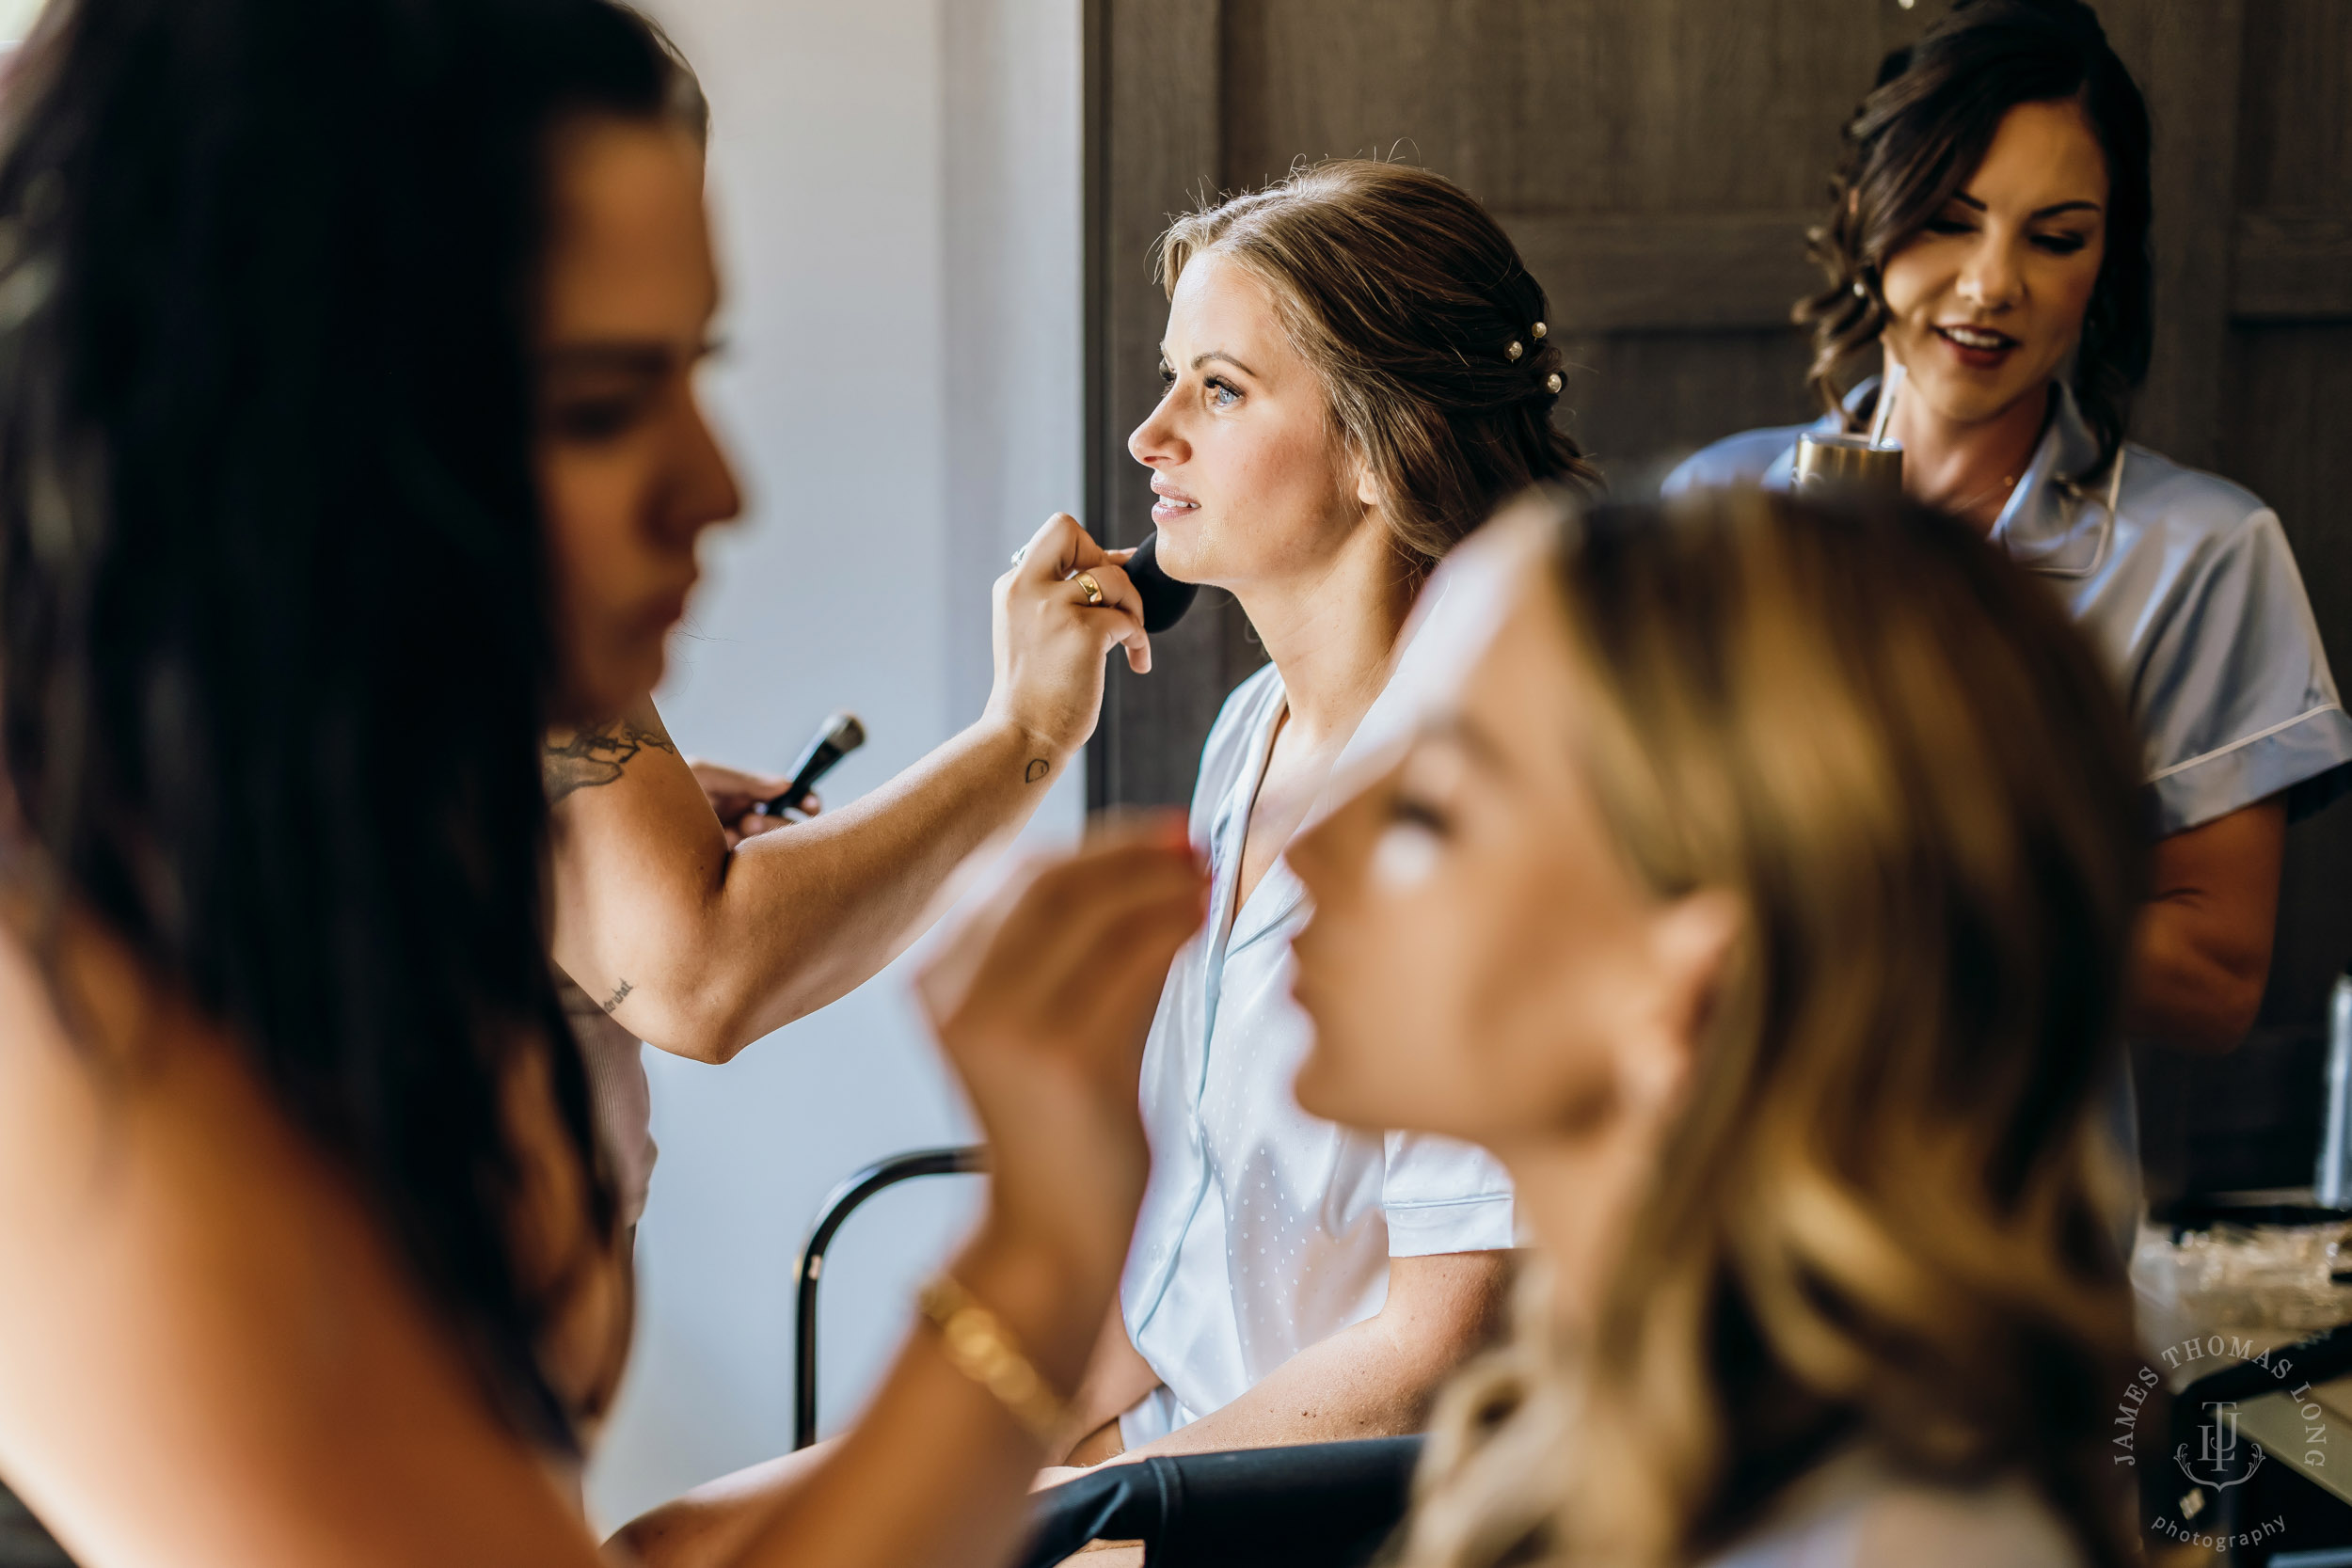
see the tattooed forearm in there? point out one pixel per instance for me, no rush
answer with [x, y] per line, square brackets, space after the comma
[1038, 768]
[588, 758]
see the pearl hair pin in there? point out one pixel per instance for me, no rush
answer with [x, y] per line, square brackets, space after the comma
[1551, 383]
[1540, 330]
[1514, 351]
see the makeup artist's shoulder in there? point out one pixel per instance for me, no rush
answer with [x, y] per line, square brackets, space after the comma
[1740, 459]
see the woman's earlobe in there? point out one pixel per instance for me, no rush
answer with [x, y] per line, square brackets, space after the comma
[1694, 940]
[1696, 937]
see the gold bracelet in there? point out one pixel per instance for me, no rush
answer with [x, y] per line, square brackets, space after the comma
[982, 1349]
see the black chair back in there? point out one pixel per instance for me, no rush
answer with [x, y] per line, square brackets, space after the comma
[1316, 1505]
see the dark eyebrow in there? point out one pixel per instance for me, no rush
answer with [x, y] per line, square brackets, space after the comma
[2050, 211]
[645, 358]
[1217, 353]
[1222, 358]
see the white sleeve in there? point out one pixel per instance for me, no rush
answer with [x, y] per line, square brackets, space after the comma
[1440, 1196]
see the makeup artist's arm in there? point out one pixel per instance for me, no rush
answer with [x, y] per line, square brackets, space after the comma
[213, 1356]
[2201, 954]
[701, 948]
[706, 1527]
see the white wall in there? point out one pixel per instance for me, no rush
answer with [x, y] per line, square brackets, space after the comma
[896, 186]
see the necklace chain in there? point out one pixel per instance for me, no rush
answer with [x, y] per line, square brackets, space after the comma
[2006, 482]
[1963, 508]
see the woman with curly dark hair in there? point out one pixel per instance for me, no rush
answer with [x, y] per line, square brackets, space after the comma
[309, 316]
[1988, 238]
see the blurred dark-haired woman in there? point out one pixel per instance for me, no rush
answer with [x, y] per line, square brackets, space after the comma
[1990, 235]
[308, 1253]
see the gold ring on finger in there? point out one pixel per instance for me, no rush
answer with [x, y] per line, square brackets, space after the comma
[1094, 589]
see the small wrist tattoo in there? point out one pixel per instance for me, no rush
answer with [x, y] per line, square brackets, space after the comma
[1038, 768]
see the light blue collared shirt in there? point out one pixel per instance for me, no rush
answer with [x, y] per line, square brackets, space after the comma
[2185, 583]
[1265, 1230]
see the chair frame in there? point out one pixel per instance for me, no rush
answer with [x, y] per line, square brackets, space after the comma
[845, 1200]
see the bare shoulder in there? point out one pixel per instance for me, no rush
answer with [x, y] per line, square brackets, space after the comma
[207, 1353]
[590, 758]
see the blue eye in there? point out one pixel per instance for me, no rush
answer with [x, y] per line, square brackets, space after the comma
[1222, 393]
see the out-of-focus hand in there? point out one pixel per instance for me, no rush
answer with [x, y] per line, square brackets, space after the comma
[1041, 1000]
[1049, 642]
[733, 795]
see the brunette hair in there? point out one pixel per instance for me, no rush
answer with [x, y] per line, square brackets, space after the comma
[1918, 137]
[276, 648]
[1879, 1220]
[1428, 333]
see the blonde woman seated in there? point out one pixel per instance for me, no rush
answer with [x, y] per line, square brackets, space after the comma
[1797, 1089]
[1358, 372]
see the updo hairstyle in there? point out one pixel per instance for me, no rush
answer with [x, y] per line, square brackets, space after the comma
[1427, 331]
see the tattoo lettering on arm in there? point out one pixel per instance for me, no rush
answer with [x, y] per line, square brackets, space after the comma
[594, 757]
[620, 994]
[1038, 768]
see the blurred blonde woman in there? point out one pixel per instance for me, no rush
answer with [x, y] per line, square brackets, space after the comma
[1796, 1089]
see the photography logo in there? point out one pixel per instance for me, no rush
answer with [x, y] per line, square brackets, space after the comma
[2220, 1451]
[2223, 1459]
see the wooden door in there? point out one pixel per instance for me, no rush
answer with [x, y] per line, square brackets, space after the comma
[1657, 162]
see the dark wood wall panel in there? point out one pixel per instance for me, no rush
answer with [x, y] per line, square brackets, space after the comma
[2287, 387]
[1681, 272]
[2294, 132]
[1559, 105]
[1641, 402]
[2289, 397]
[2187, 61]
[1158, 149]
[2289, 438]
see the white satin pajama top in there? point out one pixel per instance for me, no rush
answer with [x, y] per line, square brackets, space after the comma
[2186, 585]
[1265, 1230]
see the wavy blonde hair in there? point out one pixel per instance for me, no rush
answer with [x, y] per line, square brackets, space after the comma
[1879, 1218]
